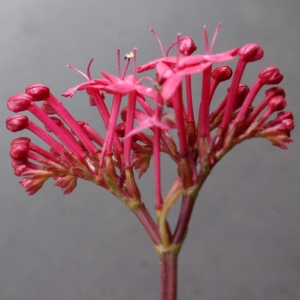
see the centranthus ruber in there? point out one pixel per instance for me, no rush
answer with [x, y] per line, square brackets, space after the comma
[73, 149]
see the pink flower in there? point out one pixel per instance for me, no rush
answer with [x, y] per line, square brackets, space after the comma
[77, 150]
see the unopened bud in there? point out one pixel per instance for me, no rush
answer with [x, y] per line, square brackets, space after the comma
[120, 129]
[287, 125]
[124, 113]
[285, 115]
[270, 75]
[37, 91]
[19, 102]
[20, 140]
[19, 166]
[47, 108]
[187, 46]
[19, 148]
[275, 91]
[222, 73]
[277, 103]
[242, 92]
[16, 123]
[251, 52]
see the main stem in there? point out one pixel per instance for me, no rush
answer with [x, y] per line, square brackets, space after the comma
[168, 269]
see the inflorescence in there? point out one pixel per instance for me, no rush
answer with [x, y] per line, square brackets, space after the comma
[76, 150]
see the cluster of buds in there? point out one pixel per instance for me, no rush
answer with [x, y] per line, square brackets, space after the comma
[76, 150]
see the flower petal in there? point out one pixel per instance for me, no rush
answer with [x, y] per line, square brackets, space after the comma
[170, 85]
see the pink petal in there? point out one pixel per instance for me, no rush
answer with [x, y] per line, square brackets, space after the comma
[163, 70]
[170, 85]
[148, 92]
[111, 78]
[194, 69]
[196, 59]
[120, 87]
[71, 91]
[138, 129]
[150, 65]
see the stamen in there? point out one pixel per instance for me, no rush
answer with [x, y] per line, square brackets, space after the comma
[119, 62]
[214, 37]
[159, 42]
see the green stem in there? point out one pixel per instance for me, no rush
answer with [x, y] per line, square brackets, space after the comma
[168, 268]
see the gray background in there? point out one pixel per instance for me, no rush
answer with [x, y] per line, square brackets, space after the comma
[244, 238]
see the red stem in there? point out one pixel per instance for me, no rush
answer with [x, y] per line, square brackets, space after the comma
[185, 214]
[146, 220]
[203, 120]
[178, 108]
[168, 270]
[189, 99]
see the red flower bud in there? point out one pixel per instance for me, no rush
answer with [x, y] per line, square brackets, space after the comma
[19, 166]
[251, 52]
[19, 102]
[16, 122]
[124, 113]
[47, 108]
[285, 115]
[19, 148]
[20, 140]
[275, 91]
[277, 103]
[187, 46]
[270, 75]
[37, 91]
[242, 92]
[120, 129]
[222, 73]
[287, 125]
[57, 121]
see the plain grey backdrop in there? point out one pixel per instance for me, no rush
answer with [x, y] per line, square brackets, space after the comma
[244, 237]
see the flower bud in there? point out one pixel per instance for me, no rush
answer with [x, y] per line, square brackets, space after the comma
[275, 91]
[19, 148]
[187, 46]
[277, 103]
[221, 73]
[285, 115]
[270, 75]
[16, 123]
[57, 121]
[37, 91]
[120, 129]
[19, 102]
[47, 108]
[251, 52]
[124, 113]
[19, 166]
[20, 140]
[242, 92]
[287, 125]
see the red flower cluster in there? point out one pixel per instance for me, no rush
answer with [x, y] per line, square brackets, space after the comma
[76, 150]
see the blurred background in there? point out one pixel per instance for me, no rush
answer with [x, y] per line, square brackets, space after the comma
[244, 237]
